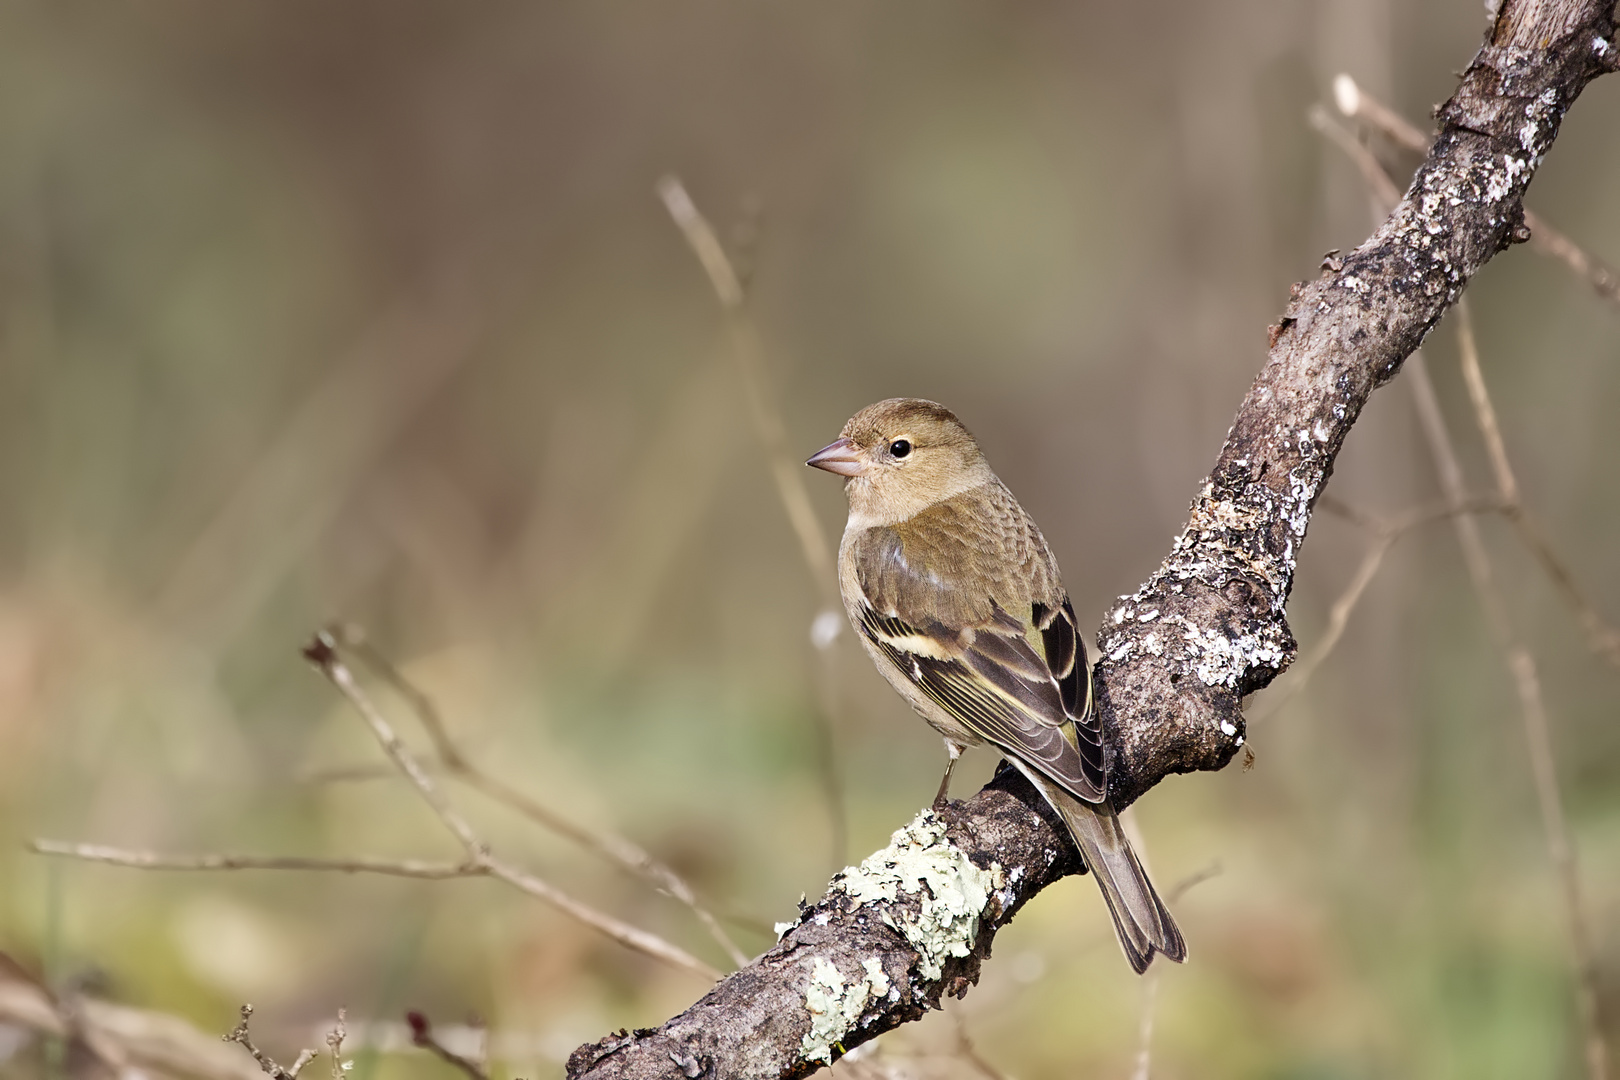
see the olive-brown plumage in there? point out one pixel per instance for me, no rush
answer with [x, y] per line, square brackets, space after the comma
[958, 600]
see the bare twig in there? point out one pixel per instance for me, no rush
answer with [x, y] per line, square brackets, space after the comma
[611, 846]
[334, 1044]
[1144, 1032]
[1526, 680]
[322, 652]
[422, 1036]
[970, 1053]
[149, 860]
[1520, 663]
[1358, 105]
[1603, 638]
[1385, 534]
[239, 1034]
[788, 475]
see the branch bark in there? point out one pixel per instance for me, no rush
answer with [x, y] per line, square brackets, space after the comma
[1177, 658]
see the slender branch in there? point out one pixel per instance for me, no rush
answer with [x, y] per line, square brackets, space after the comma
[1177, 658]
[1603, 638]
[422, 1036]
[239, 1034]
[150, 860]
[1520, 663]
[323, 654]
[1533, 711]
[615, 848]
[1359, 105]
[1385, 534]
[788, 475]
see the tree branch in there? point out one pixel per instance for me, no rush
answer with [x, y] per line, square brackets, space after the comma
[1208, 628]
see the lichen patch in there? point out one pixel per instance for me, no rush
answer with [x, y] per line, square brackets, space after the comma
[835, 1005]
[920, 861]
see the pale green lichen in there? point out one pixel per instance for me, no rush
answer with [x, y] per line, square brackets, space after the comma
[921, 861]
[835, 1006]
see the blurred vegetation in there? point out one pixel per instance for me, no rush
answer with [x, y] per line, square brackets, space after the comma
[369, 311]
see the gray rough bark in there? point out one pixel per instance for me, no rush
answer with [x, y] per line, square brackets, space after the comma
[1178, 657]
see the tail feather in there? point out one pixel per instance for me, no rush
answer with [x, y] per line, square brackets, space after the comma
[1140, 917]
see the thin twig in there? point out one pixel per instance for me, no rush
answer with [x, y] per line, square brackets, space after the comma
[1358, 105]
[1520, 663]
[1603, 638]
[239, 1034]
[422, 1036]
[149, 860]
[1144, 1033]
[788, 474]
[970, 1053]
[611, 846]
[1385, 534]
[322, 652]
[1533, 712]
[334, 1043]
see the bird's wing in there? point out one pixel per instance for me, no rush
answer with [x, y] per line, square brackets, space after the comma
[1016, 678]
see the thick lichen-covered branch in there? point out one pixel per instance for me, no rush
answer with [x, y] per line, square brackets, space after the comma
[1178, 656]
[1208, 627]
[889, 939]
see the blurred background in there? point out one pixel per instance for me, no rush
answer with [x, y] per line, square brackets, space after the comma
[370, 311]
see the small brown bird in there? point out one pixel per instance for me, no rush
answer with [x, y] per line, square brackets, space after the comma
[958, 600]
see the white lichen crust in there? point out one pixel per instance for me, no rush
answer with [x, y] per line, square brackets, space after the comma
[835, 1005]
[945, 895]
[921, 861]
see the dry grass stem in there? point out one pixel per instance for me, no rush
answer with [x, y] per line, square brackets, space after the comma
[323, 653]
[788, 474]
[1358, 105]
[614, 848]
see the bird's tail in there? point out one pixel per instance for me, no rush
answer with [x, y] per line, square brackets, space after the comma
[1140, 917]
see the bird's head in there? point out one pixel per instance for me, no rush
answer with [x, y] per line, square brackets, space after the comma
[900, 457]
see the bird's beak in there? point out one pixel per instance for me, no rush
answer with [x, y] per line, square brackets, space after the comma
[840, 457]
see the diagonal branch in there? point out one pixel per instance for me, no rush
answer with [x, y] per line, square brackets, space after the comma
[610, 846]
[914, 922]
[1358, 105]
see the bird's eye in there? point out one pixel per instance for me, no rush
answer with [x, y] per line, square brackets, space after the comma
[899, 448]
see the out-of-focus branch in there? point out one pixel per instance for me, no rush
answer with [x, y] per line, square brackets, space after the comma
[422, 1036]
[1359, 105]
[611, 846]
[1385, 534]
[1602, 637]
[322, 652]
[1520, 663]
[1533, 711]
[151, 860]
[125, 1040]
[480, 862]
[788, 474]
[1177, 657]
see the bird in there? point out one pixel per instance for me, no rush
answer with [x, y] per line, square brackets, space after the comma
[956, 597]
